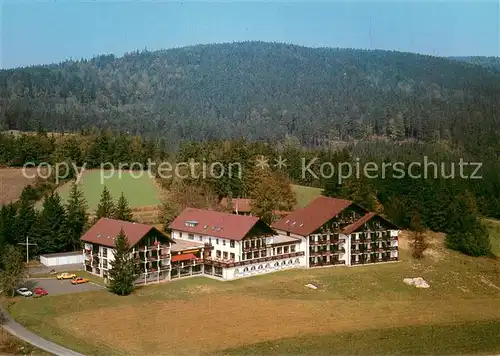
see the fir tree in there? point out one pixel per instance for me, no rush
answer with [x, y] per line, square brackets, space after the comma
[26, 220]
[77, 217]
[419, 242]
[106, 207]
[8, 223]
[51, 227]
[123, 211]
[124, 271]
[13, 269]
[466, 233]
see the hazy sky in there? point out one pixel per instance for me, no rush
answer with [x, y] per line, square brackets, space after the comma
[45, 32]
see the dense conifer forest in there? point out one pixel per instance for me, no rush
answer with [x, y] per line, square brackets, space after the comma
[232, 102]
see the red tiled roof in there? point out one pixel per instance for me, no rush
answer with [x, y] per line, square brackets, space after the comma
[105, 230]
[363, 220]
[184, 257]
[214, 223]
[239, 204]
[358, 223]
[308, 219]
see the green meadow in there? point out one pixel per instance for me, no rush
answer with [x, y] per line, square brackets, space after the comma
[138, 187]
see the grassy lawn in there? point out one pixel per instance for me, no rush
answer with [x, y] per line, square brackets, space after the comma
[494, 230]
[140, 191]
[10, 345]
[478, 338]
[366, 309]
[305, 195]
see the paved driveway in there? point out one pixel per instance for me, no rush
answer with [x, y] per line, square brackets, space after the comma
[56, 287]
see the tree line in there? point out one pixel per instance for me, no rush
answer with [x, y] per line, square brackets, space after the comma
[55, 226]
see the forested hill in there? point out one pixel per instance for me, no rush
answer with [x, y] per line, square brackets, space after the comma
[261, 91]
[487, 62]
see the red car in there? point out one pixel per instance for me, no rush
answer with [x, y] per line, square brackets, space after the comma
[40, 292]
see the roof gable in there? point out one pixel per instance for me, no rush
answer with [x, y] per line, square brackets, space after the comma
[308, 219]
[363, 220]
[105, 230]
[215, 223]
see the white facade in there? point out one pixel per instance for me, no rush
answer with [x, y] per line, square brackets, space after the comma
[346, 249]
[232, 259]
[97, 260]
[60, 259]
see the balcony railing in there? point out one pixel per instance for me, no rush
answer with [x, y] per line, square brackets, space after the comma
[254, 248]
[229, 263]
[327, 253]
[323, 264]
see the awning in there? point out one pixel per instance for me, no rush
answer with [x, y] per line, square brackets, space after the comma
[184, 257]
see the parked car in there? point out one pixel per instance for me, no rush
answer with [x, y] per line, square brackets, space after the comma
[66, 275]
[39, 292]
[25, 292]
[79, 280]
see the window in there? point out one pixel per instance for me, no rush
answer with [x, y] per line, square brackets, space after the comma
[249, 255]
[285, 249]
[292, 248]
[256, 254]
[210, 240]
[218, 253]
[231, 256]
[288, 233]
[279, 249]
[231, 243]
[201, 238]
[180, 234]
[217, 241]
[191, 236]
[225, 255]
[223, 242]
[263, 253]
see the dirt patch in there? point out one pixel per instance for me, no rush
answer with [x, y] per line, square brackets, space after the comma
[12, 182]
[436, 249]
[488, 283]
[214, 321]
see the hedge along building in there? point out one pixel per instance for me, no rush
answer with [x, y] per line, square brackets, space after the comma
[237, 246]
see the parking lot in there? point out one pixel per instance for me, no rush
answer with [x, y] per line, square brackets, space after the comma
[56, 287]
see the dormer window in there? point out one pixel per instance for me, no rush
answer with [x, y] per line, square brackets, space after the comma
[191, 223]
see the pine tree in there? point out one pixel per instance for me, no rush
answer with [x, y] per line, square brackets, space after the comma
[123, 211]
[51, 227]
[8, 223]
[270, 193]
[466, 233]
[419, 242]
[106, 207]
[26, 220]
[124, 271]
[13, 269]
[77, 217]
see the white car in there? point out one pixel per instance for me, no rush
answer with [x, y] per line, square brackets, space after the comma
[25, 292]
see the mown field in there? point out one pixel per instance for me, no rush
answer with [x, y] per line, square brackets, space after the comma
[305, 194]
[356, 310]
[141, 191]
[12, 182]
